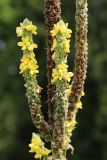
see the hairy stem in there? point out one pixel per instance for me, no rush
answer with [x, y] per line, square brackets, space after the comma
[33, 94]
[52, 16]
[81, 46]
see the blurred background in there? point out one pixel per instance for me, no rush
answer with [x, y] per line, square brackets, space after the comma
[90, 136]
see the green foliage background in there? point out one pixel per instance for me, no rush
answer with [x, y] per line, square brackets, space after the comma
[90, 137]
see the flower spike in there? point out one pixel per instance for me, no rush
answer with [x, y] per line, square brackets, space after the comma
[29, 70]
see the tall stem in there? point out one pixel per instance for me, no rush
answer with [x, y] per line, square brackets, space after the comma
[81, 46]
[52, 16]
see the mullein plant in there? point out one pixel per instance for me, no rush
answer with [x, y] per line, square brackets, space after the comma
[65, 88]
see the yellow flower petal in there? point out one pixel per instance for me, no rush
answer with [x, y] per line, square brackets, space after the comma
[31, 28]
[79, 105]
[82, 94]
[19, 31]
[37, 147]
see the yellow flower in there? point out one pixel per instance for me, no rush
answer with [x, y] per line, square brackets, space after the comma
[31, 28]
[58, 74]
[55, 75]
[79, 105]
[82, 93]
[61, 72]
[37, 147]
[38, 156]
[53, 57]
[66, 46]
[36, 140]
[55, 30]
[19, 31]
[61, 28]
[32, 46]
[62, 67]
[70, 124]
[61, 35]
[26, 44]
[28, 64]
[68, 76]
[28, 27]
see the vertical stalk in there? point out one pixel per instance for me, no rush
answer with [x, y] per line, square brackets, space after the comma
[60, 119]
[29, 70]
[52, 16]
[32, 89]
[81, 46]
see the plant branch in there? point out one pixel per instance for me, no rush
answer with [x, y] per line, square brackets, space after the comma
[81, 46]
[52, 16]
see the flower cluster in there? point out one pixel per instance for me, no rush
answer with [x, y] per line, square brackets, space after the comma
[61, 28]
[61, 72]
[61, 34]
[79, 105]
[28, 61]
[29, 70]
[20, 31]
[26, 44]
[61, 78]
[60, 46]
[71, 123]
[37, 147]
